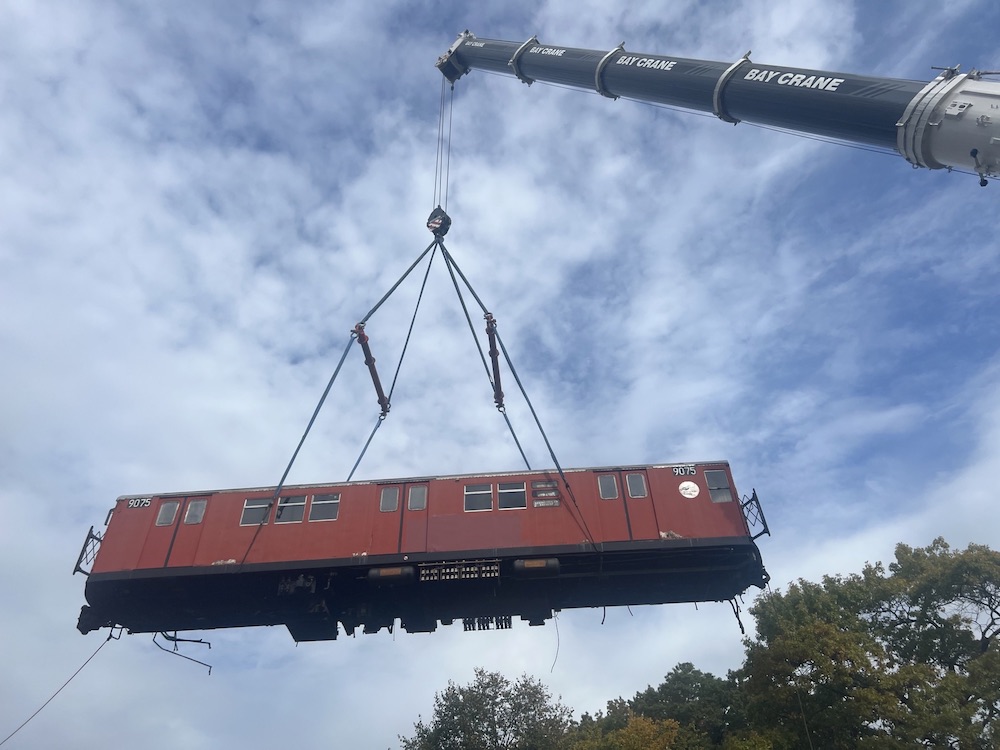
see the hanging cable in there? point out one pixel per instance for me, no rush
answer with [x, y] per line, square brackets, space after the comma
[447, 168]
[442, 160]
[438, 156]
[399, 365]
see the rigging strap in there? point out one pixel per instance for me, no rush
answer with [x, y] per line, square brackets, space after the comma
[378, 423]
[400, 281]
[284, 476]
[399, 365]
[552, 453]
[454, 269]
[326, 392]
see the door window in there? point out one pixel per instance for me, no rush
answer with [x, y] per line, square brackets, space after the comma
[195, 511]
[416, 498]
[608, 486]
[636, 485]
[389, 500]
[168, 512]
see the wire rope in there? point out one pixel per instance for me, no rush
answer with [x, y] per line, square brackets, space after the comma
[399, 364]
[442, 160]
[452, 268]
[413, 320]
[450, 262]
[400, 281]
[441, 171]
[322, 400]
[436, 198]
[291, 462]
[447, 168]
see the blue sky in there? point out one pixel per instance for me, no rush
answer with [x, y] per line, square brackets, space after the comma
[200, 200]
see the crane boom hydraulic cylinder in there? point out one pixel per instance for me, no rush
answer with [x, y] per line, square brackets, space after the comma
[950, 122]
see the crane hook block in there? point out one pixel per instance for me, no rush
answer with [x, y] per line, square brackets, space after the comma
[439, 222]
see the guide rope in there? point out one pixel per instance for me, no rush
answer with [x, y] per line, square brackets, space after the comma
[52, 697]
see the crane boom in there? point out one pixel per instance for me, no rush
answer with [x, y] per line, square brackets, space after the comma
[950, 122]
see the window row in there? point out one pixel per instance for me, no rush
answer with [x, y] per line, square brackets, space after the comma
[477, 497]
[291, 509]
[511, 495]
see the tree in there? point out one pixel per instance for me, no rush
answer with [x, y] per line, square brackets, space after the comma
[643, 733]
[636, 733]
[941, 610]
[492, 714]
[908, 659]
[899, 656]
[700, 702]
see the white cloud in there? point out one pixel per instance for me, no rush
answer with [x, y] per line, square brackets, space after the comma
[199, 203]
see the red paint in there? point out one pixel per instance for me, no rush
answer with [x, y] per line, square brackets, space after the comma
[133, 541]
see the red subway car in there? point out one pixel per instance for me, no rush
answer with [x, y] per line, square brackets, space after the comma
[478, 548]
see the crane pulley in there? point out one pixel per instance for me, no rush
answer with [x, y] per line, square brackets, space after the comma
[951, 122]
[439, 222]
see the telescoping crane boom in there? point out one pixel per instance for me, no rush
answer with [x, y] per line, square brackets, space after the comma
[951, 122]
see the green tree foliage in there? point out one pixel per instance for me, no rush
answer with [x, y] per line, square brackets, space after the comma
[877, 660]
[636, 733]
[492, 713]
[900, 656]
[701, 703]
[643, 733]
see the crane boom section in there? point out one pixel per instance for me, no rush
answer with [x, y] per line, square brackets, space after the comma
[952, 121]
